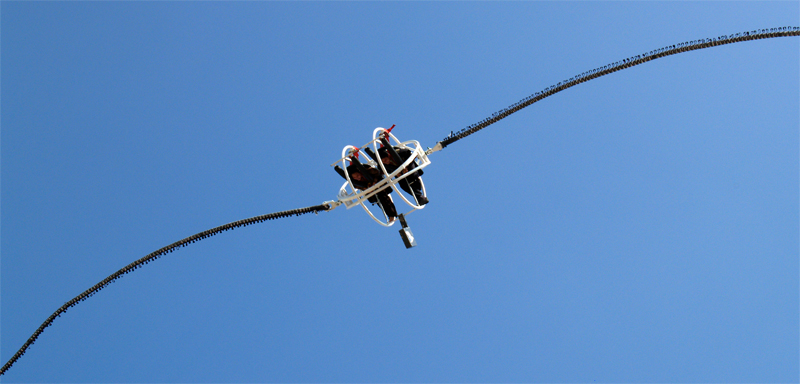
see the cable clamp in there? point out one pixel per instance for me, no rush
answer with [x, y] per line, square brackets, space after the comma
[332, 204]
[436, 148]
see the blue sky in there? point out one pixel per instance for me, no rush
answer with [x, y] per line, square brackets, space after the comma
[641, 227]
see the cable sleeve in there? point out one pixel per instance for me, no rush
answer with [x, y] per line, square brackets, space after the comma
[616, 66]
[153, 256]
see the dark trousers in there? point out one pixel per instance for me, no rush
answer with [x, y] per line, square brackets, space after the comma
[385, 202]
[413, 186]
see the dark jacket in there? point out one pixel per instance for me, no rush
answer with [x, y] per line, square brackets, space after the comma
[361, 184]
[404, 154]
[376, 175]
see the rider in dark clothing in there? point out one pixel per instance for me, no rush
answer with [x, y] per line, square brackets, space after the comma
[362, 182]
[411, 184]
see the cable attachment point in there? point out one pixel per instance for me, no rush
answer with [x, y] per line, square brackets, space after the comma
[331, 204]
[436, 148]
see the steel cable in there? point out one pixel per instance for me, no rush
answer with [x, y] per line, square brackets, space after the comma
[616, 66]
[153, 256]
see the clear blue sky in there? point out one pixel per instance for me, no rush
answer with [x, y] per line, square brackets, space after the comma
[641, 227]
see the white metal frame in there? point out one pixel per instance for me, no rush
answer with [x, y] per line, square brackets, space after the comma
[352, 197]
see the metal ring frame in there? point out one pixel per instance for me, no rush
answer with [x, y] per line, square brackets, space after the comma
[352, 198]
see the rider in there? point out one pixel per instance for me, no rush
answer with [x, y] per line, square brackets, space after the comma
[362, 182]
[411, 184]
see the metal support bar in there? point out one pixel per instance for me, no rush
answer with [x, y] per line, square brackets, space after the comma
[391, 150]
[360, 167]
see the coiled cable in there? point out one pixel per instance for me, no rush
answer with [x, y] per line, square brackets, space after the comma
[153, 256]
[616, 66]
